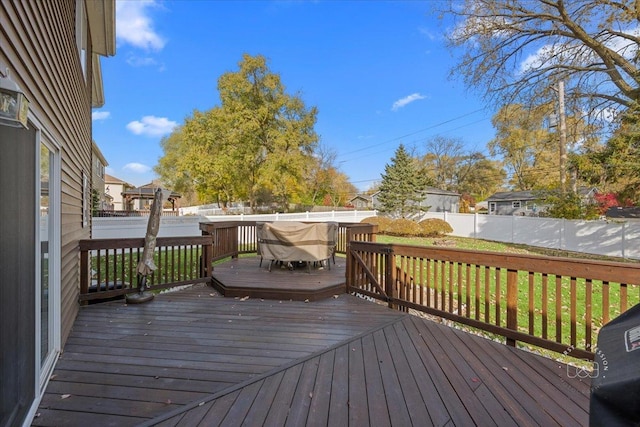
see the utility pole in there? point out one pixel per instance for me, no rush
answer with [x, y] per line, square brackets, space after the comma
[563, 138]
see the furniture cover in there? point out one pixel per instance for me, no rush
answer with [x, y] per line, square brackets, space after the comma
[296, 241]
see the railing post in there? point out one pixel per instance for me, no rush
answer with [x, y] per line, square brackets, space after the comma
[512, 303]
[208, 259]
[350, 269]
[84, 273]
[390, 276]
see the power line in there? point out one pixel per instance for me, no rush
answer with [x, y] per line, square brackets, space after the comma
[414, 133]
[416, 141]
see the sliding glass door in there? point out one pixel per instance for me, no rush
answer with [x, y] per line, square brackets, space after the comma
[47, 291]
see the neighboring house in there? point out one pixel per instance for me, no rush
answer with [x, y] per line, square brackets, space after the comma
[436, 200]
[50, 50]
[513, 203]
[140, 198]
[528, 203]
[587, 195]
[98, 178]
[114, 187]
[361, 202]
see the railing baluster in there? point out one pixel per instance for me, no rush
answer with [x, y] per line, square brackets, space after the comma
[498, 274]
[545, 306]
[572, 310]
[512, 303]
[468, 290]
[623, 297]
[558, 298]
[531, 277]
[477, 290]
[605, 302]
[588, 315]
[487, 294]
[443, 282]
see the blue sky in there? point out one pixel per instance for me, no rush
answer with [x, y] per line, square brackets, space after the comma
[376, 71]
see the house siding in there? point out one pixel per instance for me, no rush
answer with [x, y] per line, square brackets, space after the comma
[39, 47]
[442, 203]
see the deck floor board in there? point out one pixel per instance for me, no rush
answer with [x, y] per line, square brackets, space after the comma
[194, 358]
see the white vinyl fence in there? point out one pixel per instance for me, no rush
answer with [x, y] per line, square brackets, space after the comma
[188, 225]
[617, 239]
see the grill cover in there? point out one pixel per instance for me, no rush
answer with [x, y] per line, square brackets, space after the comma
[615, 384]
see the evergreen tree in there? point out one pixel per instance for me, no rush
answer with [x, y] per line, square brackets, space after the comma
[403, 185]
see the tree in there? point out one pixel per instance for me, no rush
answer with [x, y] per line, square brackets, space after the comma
[516, 51]
[170, 167]
[272, 133]
[402, 187]
[258, 143]
[326, 185]
[615, 167]
[528, 149]
[443, 155]
[452, 168]
[568, 206]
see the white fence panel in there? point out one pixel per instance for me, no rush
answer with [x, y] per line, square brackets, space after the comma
[118, 227]
[594, 237]
[541, 232]
[499, 229]
[632, 240]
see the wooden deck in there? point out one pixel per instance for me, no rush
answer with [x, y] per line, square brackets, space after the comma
[192, 357]
[242, 277]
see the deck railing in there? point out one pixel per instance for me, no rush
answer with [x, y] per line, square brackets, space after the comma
[557, 304]
[108, 266]
[553, 303]
[232, 238]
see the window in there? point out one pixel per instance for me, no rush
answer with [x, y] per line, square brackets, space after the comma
[85, 200]
[492, 207]
[82, 34]
[515, 204]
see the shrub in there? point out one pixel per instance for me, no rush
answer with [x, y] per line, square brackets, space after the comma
[434, 227]
[382, 222]
[404, 227]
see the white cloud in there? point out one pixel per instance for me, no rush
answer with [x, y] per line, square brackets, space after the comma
[137, 168]
[100, 115]
[152, 126]
[406, 100]
[135, 26]
[139, 61]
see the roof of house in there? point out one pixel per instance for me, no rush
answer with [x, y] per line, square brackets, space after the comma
[619, 212]
[431, 190]
[434, 190]
[110, 179]
[148, 191]
[508, 196]
[361, 196]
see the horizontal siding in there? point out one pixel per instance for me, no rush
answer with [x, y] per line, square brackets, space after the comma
[38, 45]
